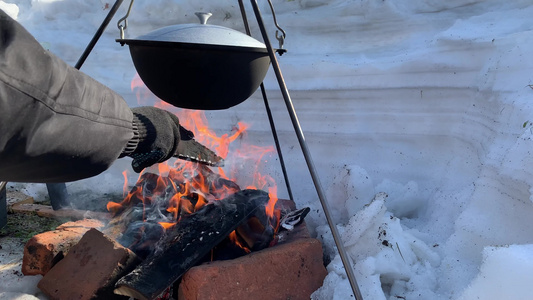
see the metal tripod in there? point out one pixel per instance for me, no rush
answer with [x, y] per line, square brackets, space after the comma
[301, 139]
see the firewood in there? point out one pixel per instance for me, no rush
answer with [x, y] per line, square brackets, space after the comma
[186, 243]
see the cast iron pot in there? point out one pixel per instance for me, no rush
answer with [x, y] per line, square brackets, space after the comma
[199, 66]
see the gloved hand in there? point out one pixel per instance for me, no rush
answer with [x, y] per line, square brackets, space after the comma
[156, 136]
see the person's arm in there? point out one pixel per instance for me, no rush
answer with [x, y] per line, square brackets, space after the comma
[58, 124]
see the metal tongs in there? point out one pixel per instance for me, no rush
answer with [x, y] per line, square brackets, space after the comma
[191, 150]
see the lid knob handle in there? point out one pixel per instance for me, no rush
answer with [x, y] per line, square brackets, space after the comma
[203, 16]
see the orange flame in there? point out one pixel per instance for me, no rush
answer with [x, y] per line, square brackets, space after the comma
[193, 188]
[235, 240]
[125, 188]
[167, 225]
[114, 207]
[273, 198]
[142, 93]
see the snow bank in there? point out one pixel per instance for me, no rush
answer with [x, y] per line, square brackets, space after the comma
[506, 273]
[390, 260]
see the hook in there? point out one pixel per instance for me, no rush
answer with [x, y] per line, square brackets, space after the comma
[279, 37]
[125, 21]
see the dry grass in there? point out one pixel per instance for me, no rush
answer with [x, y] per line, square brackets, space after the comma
[25, 226]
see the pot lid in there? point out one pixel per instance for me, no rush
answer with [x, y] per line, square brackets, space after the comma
[202, 34]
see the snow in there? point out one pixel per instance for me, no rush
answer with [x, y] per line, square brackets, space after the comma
[504, 269]
[418, 114]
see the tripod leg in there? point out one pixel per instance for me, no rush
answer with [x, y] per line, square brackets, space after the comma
[58, 195]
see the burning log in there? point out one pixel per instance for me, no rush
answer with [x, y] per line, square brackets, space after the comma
[257, 232]
[156, 199]
[181, 248]
[190, 181]
[205, 179]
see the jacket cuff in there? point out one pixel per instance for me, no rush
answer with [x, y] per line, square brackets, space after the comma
[132, 144]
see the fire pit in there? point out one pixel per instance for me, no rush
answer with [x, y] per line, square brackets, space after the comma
[231, 227]
[174, 222]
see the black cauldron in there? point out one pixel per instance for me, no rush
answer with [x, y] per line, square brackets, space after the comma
[199, 66]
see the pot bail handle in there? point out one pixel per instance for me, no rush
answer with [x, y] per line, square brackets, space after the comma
[203, 16]
[279, 37]
[122, 27]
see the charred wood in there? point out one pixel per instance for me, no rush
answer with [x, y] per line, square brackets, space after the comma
[184, 244]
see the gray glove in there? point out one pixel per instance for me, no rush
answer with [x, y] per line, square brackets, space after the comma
[157, 133]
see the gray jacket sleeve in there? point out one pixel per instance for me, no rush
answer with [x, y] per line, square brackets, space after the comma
[56, 123]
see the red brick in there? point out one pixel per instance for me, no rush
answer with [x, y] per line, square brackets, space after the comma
[90, 269]
[44, 250]
[85, 223]
[293, 270]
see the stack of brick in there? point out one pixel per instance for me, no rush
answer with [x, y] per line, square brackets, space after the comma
[44, 250]
[90, 270]
[293, 269]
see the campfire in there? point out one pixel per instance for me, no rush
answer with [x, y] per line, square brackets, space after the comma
[189, 211]
[181, 215]
[162, 197]
[184, 215]
[178, 217]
